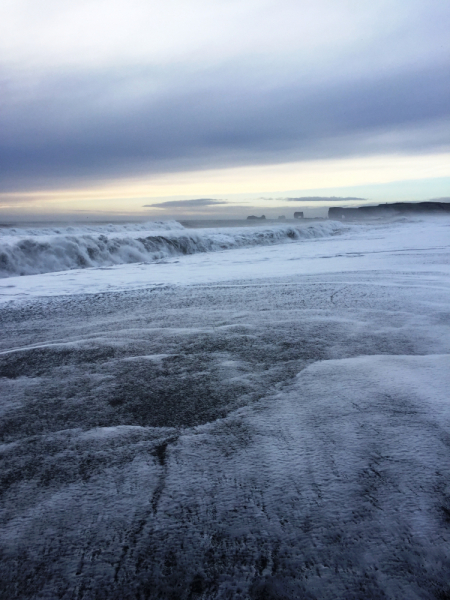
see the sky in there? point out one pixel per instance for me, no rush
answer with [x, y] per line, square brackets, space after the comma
[221, 108]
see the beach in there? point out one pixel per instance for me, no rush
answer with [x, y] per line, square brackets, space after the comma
[266, 416]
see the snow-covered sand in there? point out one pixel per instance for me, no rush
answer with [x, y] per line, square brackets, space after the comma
[269, 421]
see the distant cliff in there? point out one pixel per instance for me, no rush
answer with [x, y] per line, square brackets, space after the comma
[388, 210]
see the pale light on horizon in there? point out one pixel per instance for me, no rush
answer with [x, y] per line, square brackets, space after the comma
[300, 178]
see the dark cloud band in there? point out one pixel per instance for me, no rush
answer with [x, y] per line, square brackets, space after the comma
[199, 202]
[321, 199]
[87, 126]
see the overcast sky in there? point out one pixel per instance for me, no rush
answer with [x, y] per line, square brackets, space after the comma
[223, 97]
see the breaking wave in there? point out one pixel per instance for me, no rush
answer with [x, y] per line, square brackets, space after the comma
[45, 250]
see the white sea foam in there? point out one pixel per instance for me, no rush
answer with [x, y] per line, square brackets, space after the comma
[46, 250]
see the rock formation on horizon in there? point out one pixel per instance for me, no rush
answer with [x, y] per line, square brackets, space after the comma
[388, 210]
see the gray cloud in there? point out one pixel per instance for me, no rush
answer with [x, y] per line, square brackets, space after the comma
[199, 202]
[321, 199]
[86, 126]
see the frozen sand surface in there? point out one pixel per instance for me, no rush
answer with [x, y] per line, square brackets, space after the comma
[279, 427]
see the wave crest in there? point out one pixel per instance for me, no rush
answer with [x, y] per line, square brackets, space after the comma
[25, 253]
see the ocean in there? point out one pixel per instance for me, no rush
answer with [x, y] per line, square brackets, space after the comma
[224, 410]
